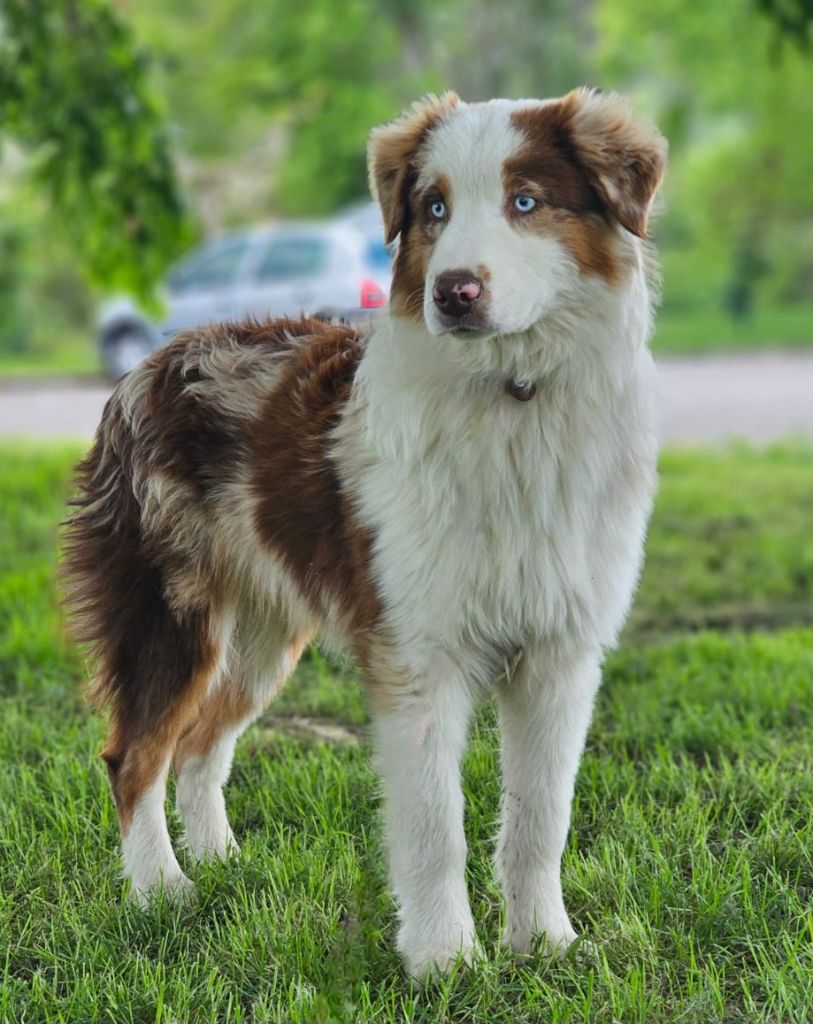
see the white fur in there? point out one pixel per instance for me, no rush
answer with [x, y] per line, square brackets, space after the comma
[419, 746]
[200, 802]
[148, 859]
[527, 271]
[505, 532]
[545, 711]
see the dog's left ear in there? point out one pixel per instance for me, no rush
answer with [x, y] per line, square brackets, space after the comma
[624, 156]
[392, 152]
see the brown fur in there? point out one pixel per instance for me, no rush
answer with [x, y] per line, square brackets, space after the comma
[418, 235]
[409, 273]
[393, 151]
[303, 513]
[394, 159]
[151, 666]
[588, 164]
[547, 167]
[624, 157]
[229, 704]
[143, 574]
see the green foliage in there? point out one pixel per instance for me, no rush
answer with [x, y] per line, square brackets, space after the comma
[14, 332]
[688, 868]
[732, 96]
[269, 106]
[308, 82]
[45, 304]
[74, 94]
[793, 17]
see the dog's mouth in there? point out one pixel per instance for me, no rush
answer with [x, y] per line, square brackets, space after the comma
[468, 331]
[470, 327]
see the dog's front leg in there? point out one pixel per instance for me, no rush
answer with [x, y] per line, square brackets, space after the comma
[420, 739]
[545, 711]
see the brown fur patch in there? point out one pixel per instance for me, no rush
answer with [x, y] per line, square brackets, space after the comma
[418, 238]
[114, 581]
[392, 155]
[585, 161]
[568, 208]
[546, 166]
[302, 512]
[135, 755]
[409, 271]
[151, 666]
[227, 706]
[591, 155]
[624, 155]
[590, 240]
[230, 704]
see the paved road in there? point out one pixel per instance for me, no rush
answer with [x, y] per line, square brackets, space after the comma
[758, 397]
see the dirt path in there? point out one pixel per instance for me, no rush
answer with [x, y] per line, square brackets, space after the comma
[759, 397]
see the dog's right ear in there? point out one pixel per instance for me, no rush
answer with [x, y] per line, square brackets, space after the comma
[391, 156]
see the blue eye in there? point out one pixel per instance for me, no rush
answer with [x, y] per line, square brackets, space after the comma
[524, 203]
[438, 209]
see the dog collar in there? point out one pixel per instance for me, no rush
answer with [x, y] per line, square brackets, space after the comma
[523, 390]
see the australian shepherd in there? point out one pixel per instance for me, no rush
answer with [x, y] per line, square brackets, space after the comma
[457, 493]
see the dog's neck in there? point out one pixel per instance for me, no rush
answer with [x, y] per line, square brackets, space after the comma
[574, 347]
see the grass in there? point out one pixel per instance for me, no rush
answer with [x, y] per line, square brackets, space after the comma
[689, 866]
[75, 355]
[704, 329]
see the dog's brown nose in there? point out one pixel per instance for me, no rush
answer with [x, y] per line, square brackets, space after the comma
[456, 291]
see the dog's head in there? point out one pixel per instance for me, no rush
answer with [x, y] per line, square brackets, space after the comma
[504, 207]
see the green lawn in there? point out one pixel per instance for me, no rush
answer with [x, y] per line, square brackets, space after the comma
[689, 867]
[705, 329]
[74, 355]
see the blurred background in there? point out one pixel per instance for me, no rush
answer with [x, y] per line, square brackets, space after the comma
[165, 161]
[133, 132]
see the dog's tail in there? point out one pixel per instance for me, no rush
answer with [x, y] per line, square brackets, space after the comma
[100, 540]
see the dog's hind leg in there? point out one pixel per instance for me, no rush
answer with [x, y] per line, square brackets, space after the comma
[156, 682]
[264, 656]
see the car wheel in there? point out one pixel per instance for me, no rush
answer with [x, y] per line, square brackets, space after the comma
[124, 350]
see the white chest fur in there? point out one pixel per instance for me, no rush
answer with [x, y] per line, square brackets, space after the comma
[498, 521]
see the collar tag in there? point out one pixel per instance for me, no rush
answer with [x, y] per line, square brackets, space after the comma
[523, 391]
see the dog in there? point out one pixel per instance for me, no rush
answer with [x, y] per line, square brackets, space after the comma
[457, 494]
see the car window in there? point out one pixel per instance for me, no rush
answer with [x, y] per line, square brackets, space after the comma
[292, 257]
[378, 255]
[215, 266]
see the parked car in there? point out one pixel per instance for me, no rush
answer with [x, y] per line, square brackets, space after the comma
[337, 269]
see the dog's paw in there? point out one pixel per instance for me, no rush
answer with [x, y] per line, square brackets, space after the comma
[217, 846]
[553, 939]
[175, 888]
[424, 959]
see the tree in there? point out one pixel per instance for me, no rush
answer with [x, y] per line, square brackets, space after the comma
[734, 95]
[74, 95]
[793, 17]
